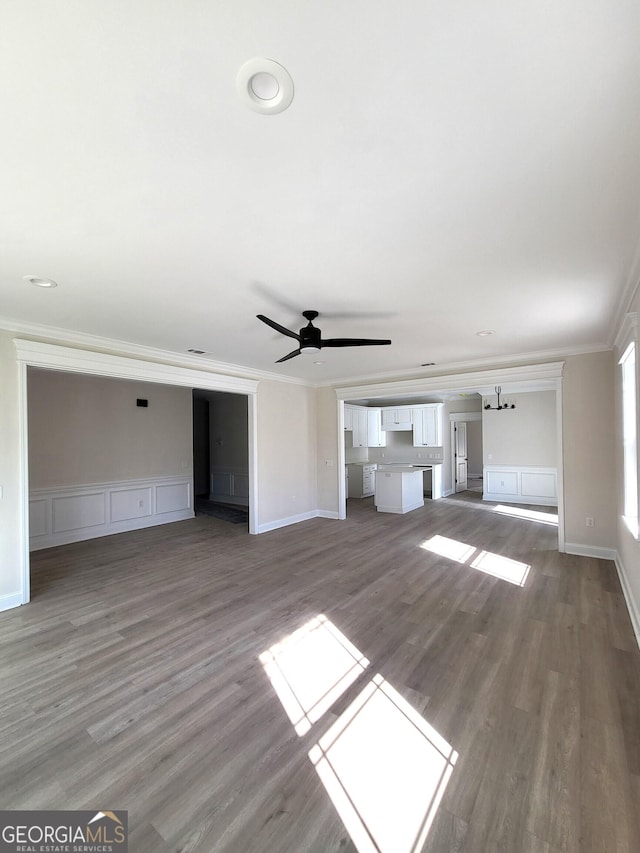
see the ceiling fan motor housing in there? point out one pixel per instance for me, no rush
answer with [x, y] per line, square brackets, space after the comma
[310, 339]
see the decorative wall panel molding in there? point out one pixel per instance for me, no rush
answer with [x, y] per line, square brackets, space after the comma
[58, 516]
[229, 486]
[517, 484]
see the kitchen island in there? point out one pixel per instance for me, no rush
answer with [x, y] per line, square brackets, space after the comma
[399, 488]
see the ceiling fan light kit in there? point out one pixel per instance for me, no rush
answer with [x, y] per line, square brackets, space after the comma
[310, 338]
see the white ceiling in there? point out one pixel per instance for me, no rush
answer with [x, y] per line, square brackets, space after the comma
[444, 168]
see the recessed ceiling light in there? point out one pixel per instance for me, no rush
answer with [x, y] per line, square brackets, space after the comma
[318, 362]
[485, 333]
[196, 351]
[265, 86]
[40, 282]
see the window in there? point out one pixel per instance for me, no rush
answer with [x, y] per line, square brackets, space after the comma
[629, 438]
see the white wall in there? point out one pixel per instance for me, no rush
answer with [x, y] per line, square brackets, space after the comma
[88, 429]
[10, 511]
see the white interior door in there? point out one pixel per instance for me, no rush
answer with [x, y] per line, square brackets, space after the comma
[460, 451]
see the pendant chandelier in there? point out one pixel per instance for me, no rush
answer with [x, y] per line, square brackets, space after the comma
[501, 406]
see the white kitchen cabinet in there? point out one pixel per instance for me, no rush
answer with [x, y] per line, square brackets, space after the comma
[359, 426]
[362, 480]
[365, 424]
[355, 420]
[348, 418]
[376, 437]
[427, 425]
[396, 419]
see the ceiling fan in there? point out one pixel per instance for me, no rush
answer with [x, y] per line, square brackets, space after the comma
[310, 337]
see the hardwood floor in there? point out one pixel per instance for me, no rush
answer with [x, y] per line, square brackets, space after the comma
[134, 681]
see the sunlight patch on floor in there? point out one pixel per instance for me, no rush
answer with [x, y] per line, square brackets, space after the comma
[310, 669]
[385, 769]
[450, 548]
[528, 514]
[500, 567]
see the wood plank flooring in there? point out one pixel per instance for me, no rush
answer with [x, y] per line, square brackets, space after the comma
[133, 681]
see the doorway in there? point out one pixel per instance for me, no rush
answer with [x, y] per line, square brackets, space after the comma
[221, 455]
[466, 452]
[59, 357]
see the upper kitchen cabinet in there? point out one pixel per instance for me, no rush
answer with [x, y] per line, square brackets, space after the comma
[427, 425]
[355, 419]
[397, 419]
[348, 418]
[375, 435]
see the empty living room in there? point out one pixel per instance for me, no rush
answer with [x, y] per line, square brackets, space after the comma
[318, 428]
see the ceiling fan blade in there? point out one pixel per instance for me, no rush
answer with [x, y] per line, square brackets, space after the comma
[278, 327]
[353, 342]
[290, 355]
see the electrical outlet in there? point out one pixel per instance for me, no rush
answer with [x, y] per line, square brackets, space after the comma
[419, 455]
[589, 521]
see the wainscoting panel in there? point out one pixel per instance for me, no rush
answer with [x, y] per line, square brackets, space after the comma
[518, 484]
[229, 486]
[73, 514]
[173, 497]
[130, 503]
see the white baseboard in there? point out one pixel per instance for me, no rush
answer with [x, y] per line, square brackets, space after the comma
[590, 551]
[8, 602]
[632, 604]
[511, 499]
[59, 516]
[285, 522]
[399, 510]
[108, 530]
[324, 513]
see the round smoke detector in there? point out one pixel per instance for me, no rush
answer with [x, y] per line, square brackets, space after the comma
[265, 86]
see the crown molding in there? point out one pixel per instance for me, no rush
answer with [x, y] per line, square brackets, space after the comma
[534, 377]
[66, 337]
[626, 299]
[627, 332]
[455, 367]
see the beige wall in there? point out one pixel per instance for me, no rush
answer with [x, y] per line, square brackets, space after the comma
[287, 460]
[525, 435]
[588, 449]
[327, 415]
[88, 429]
